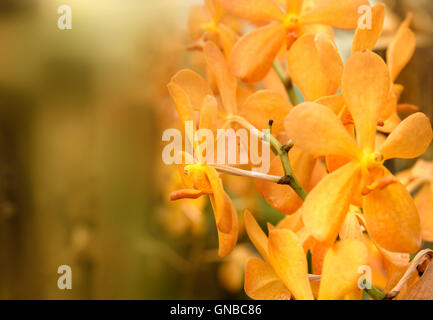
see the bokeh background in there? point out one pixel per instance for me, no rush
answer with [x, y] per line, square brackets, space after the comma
[81, 177]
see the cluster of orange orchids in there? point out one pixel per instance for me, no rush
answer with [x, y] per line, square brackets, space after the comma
[352, 228]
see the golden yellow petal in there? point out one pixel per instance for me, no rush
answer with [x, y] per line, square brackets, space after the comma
[290, 263]
[325, 207]
[340, 269]
[401, 49]
[253, 55]
[294, 6]
[256, 235]
[317, 130]
[226, 81]
[409, 139]
[310, 64]
[366, 87]
[265, 105]
[341, 14]
[366, 38]
[195, 87]
[255, 11]
[227, 241]
[261, 282]
[392, 218]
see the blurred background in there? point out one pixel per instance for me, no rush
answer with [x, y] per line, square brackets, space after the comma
[81, 177]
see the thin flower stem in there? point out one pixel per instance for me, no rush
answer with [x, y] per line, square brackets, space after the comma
[244, 123]
[287, 82]
[282, 151]
[246, 173]
[289, 176]
[374, 292]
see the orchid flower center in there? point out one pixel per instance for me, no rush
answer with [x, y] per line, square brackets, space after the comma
[372, 160]
[210, 26]
[199, 178]
[291, 21]
[192, 169]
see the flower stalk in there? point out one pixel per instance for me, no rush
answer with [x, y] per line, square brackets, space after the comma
[289, 177]
[287, 82]
[375, 293]
[246, 173]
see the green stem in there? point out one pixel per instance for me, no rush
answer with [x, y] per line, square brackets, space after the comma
[289, 177]
[374, 292]
[287, 82]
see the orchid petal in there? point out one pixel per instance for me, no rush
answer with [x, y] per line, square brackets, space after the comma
[290, 263]
[306, 65]
[340, 269]
[256, 235]
[265, 105]
[409, 139]
[325, 207]
[392, 218]
[226, 81]
[255, 11]
[294, 6]
[253, 55]
[401, 49]
[194, 86]
[366, 87]
[341, 14]
[366, 38]
[317, 130]
[261, 282]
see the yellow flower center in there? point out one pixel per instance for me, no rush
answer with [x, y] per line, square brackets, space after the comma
[372, 160]
[210, 26]
[190, 169]
[197, 172]
[291, 21]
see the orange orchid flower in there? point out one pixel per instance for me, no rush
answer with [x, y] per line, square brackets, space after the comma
[254, 53]
[181, 217]
[209, 22]
[316, 67]
[187, 90]
[389, 210]
[284, 272]
[191, 92]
